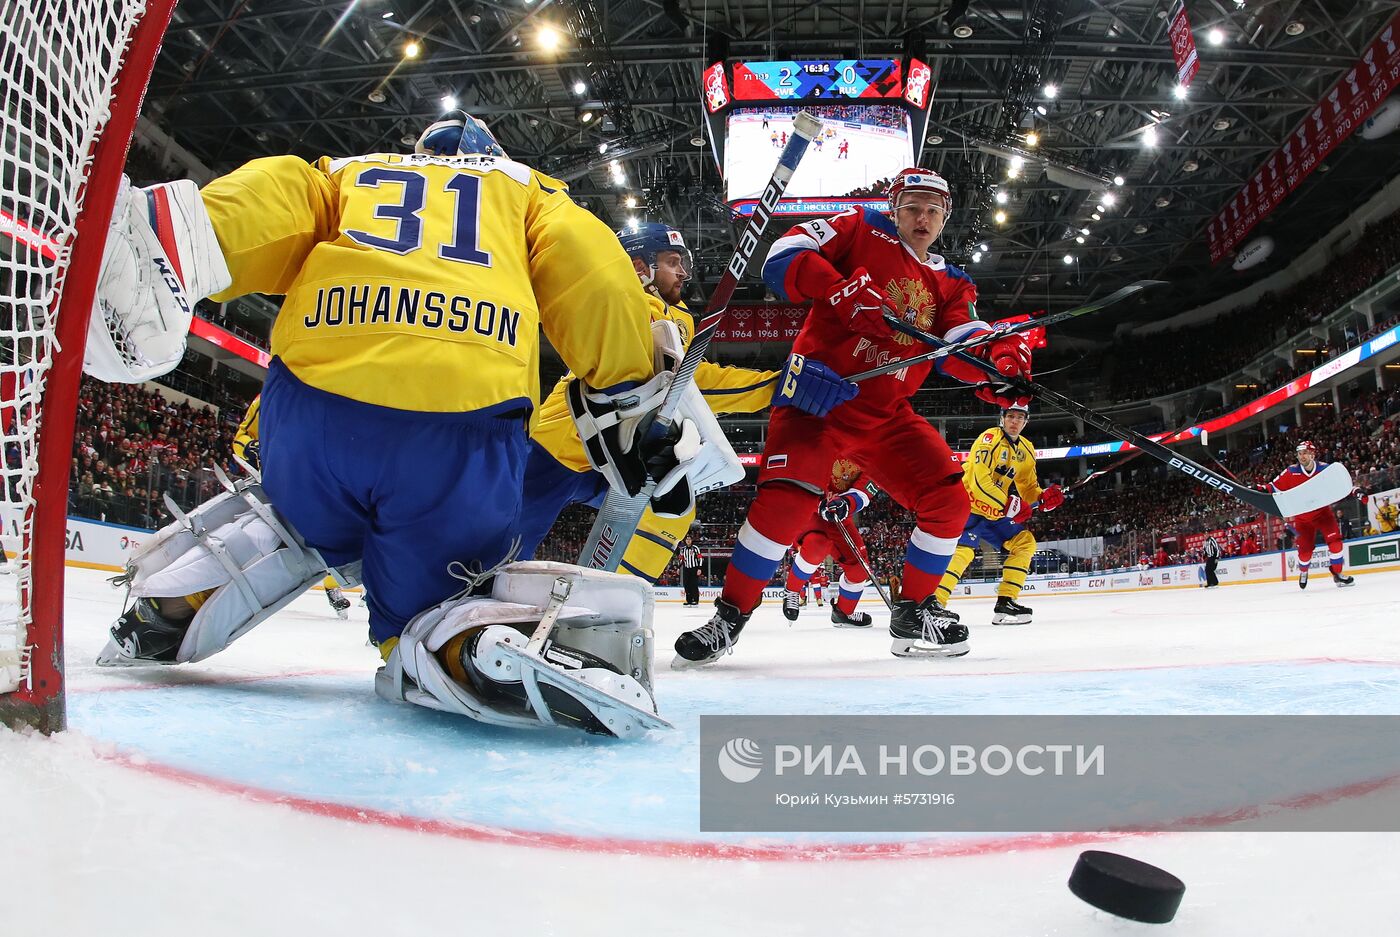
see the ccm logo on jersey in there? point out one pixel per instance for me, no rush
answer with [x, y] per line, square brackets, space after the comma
[1202, 475]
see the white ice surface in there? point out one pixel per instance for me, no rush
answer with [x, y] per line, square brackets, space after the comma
[158, 813]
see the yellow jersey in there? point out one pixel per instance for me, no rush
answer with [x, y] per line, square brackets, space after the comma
[248, 429]
[993, 464]
[726, 389]
[421, 282]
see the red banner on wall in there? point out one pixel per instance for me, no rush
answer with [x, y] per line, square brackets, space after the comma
[763, 322]
[1183, 45]
[1343, 109]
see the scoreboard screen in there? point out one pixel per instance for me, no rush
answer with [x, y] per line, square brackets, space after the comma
[807, 81]
[874, 114]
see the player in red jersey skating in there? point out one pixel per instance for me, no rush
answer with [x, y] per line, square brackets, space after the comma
[822, 538]
[1322, 521]
[854, 267]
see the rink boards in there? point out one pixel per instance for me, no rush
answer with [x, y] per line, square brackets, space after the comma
[99, 545]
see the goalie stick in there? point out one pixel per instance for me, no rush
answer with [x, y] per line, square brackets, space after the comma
[617, 519]
[1038, 322]
[1330, 485]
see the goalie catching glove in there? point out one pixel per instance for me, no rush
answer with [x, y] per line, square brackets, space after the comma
[161, 257]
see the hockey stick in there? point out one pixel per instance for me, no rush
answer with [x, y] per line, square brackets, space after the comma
[865, 565]
[1327, 487]
[983, 338]
[617, 519]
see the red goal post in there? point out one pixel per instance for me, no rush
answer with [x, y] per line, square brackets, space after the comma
[73, 74]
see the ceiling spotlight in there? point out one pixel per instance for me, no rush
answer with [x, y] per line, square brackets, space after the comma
[634, 223]
[1096, 216]
[387, 15]
[1180, 92]
[1041, 110]
[1001, 198]
[1215, 36]
[449, 102]
[585, 116]
[548, 37]
[1079, 240]
[999, 217]
[962, 31]
[377, 96]
[976, 256]
[1162, 201]
[1050, 91]
[697, 140]
[411, 49]
[630, 201]
[1109, 199]
[1118, 180]
[1032, 138]
[1017, 162]
[534, 121]
[982, 248]
[934, 139]
[474, 19]
[1069, 259]
[1083, 230]
[1190, 166]
[614, 165]
[1149, 136]
[602, 148]
[1295, 28]
[408, 139]
[1140, 229]
[1101, 207]
[580, 87]
[1013, 171]
[1115, 257]
[1222, 123]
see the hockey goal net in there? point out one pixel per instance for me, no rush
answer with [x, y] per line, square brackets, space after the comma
[74, 73]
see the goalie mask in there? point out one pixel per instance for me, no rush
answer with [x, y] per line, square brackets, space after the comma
[458, 133]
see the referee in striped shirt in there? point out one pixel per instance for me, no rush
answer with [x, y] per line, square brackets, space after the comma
[690, 570]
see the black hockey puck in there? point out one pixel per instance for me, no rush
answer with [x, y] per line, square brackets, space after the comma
[1126, 887]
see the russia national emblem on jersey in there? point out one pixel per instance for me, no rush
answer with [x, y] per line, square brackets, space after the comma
[915, 303]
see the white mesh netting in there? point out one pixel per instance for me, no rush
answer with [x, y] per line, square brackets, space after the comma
[58, 63]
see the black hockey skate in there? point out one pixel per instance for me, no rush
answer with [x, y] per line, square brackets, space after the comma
[143, 635]
[1303, 578]
[1010, 612]
[339, 603]
[854, 620]
[1343, 581]
[926, 629]
[792, 601]
[712, 640]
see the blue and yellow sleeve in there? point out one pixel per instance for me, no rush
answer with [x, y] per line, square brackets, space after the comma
[1027, 481]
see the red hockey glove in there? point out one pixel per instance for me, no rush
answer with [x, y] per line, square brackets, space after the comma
[1001, 395]
[1010, 354]
[1018, 511]
[1051, 498]
[859, 304]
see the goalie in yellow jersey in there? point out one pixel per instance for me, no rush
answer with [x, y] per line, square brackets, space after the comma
[394, 419]
[558, 472]
[1000, 458]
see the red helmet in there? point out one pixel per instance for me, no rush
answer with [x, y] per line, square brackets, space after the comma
[1306, 445]
[921, 180]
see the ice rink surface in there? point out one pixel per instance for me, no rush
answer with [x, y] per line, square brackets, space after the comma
[269, 791]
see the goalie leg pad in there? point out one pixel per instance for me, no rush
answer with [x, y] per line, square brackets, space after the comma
[161, 257]
[594, 671]
[237, 546]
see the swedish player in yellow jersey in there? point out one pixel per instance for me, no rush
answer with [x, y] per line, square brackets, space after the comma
[1002, 457]
[558, 472]
[394, 418]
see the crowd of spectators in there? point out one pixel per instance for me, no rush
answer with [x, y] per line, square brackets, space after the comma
[1165, 362]
[134, 445]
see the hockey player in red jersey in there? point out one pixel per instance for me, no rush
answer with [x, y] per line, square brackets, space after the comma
[822, 538]
[854, 267]
[1322, 521]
